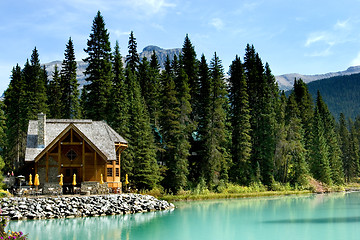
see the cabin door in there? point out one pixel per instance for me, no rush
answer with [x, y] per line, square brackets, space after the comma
[68, 173]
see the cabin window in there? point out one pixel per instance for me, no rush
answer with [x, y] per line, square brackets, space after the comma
[117, 172]
[109, 172]
[117, 162]
[71, 155]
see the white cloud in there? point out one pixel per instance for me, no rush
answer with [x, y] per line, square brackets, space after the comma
[217, 23]
[318, 37]
[151, 6]
[342, 24]
[356, 60]
[119, 33]
[158, 26]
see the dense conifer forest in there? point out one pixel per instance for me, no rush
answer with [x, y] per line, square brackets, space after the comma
[341, 94]
[187, 125]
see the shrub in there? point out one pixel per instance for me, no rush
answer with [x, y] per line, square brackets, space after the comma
[4, 193]
[10, 234]
[156, 192]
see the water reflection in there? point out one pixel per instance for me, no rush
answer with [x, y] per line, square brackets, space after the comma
[324, 216]
[107, 227]
[319, 220]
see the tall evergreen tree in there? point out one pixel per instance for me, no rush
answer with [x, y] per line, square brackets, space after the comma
[190, 66]
[198, 161]
[150, 87]
[344, 137]
[354, 152]
[175, 127]
[141, 156]
[15, 113]
[98, 72]
[119, 105]
[295, 169]
[262, 117]
[153, 102]
[54, 95]
[216, 154]
[185, 129]
[34, 76]
[240, 123]
[331, 138]
[306, 107]
[319, 156]
[69, 84]
[132, 59]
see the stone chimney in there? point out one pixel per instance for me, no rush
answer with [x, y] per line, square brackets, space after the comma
[41, 130]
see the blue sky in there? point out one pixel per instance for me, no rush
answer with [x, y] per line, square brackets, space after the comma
[303, 36]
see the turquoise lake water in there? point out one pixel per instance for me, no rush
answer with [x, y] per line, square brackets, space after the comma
[327, 216]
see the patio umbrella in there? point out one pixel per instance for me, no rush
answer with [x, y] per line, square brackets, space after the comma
[74, 180]
[61, 183]
[126, 179]
[30, 180]
[36, 181]
[101, 179]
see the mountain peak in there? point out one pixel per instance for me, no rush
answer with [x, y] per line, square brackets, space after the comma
[286, 81]
[151, 48]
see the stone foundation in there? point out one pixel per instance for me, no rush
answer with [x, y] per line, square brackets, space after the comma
[21, 208]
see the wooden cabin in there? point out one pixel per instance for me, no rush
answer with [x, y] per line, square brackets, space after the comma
[68, 146]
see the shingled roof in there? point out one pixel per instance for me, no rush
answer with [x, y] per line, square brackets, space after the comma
[98, 133]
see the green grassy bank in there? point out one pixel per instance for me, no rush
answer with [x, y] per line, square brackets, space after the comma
[194, 197]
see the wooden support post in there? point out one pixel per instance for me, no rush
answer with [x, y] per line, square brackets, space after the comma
[95, 164]
[59, 157]
[47, 167]
[119, 165]
[83, 161]
[105, 172]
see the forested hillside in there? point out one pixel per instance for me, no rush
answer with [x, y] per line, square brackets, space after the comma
[187, 126]
[342, 94]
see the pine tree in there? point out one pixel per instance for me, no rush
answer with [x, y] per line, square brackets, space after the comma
[319, 156]
[353, 154]
[345, 146]
[173, 119]
[216, 153]
[262, 118]
[150, 87]
[190, 66]
[119, 105]
[54, 95]
[69, 85]
[331, 138]
[35, 81]
[140, 159]
[295, 168]
[198, 162]
[15, 113]
[186, 127]
[98, 72]
[132, 59]
[153, 102]
[306, 107]
[240, 123]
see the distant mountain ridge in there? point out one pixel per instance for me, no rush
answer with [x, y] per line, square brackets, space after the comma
[286, 81]
[147, 52]
[340, 93]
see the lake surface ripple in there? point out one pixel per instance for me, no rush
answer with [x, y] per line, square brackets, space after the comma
[324, 216]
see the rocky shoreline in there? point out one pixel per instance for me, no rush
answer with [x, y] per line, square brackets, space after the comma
[22, 208]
